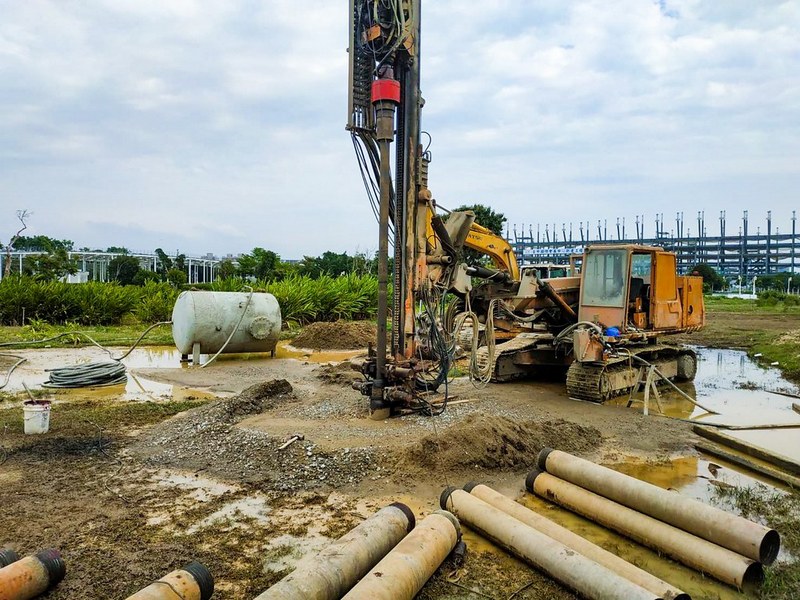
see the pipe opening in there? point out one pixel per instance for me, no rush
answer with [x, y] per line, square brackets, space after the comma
[531, 478]
[7, 557]
[682, 596]
[452, 518]
[54, 565]
[541, 461]
[446, 496]
[770, 546]
[753, 577]
[203, 577]
[412, 520]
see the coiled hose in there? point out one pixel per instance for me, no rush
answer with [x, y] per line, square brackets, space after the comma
[95, 374]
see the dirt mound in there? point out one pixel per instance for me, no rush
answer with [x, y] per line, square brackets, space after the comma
[258, 398]
[497, 442]
[341, 335]
[337, 373]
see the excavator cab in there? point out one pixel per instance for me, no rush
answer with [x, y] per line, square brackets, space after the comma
[636, 288]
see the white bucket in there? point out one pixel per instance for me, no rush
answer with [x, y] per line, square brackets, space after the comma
[37, 416]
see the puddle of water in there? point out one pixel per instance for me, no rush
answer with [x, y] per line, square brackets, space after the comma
[732, 384]
[785, 442]
[285, 350]
[34, 373]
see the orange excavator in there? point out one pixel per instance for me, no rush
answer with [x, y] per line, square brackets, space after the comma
[625, 301]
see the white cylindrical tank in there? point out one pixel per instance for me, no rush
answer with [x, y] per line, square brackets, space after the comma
[207, 318]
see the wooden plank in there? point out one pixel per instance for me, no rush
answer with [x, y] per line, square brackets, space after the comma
[762, 426]
[745, 462]
[773, 458]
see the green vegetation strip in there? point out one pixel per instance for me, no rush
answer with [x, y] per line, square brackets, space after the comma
[26, 301]
[89, 418]
[781, 511]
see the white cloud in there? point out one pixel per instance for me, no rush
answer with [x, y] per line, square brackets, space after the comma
[219, 125]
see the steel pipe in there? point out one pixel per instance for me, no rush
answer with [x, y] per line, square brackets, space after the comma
[31, 576]
[192, 582]
[403, 572]
[722, 528]
[331, 573]
[7, 556]
[700, 554]
[623, 568]
[563, 564]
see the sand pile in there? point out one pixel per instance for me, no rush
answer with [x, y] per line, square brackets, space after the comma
[341, 335]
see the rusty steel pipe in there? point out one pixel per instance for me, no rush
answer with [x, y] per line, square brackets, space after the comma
[32, 576]
[721, 563]
[192, 582]
[331, 573]
[722, 528]
[659, 587]
[403, 572]
[7, 556]
[563, 564]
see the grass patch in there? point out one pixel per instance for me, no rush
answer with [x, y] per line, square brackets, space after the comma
[786, 355]
[742, 305]
[781, 511]
[105, 335]
[87, 418]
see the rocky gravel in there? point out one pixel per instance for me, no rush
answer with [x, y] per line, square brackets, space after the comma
[207, 440]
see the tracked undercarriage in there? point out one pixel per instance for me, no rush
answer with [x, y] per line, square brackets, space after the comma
[533, 354]
[598, 382]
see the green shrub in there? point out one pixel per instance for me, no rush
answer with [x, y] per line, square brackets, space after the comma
[94, 303]
[774, 298]
[302, 300]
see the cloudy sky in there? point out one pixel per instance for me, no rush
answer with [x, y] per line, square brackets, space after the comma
[218, 125]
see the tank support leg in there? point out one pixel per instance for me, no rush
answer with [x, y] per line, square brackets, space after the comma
[196, 354]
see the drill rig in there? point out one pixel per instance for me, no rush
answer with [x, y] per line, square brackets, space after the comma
[541, 324]
[384, 113]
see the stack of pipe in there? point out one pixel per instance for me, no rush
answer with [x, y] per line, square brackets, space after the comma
[727, 547]
[32, 576]
[192, 582]
[569, 559]
[409, 565]
[386, 556]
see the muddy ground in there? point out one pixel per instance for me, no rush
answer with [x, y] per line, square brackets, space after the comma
[131, 490]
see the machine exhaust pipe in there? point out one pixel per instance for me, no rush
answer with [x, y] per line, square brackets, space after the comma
[406, 569]
[661, 589]
[721, 563]
[563, 564]
[31, 576]
[7, 556]
[337, 568]
[192, 582]
[730, 531]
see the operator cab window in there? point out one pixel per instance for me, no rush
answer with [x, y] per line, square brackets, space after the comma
[605, 276]
[641, 266]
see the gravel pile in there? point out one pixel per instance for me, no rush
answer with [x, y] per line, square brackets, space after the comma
[207, 439]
